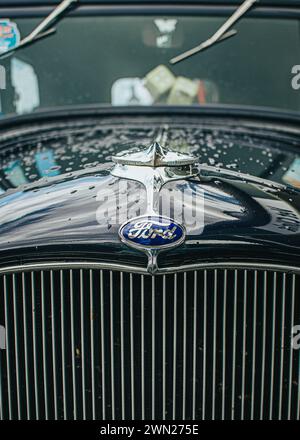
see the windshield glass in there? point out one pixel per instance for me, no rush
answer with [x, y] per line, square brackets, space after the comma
[124, 61]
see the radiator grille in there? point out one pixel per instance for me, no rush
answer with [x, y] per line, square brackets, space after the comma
[102, 344]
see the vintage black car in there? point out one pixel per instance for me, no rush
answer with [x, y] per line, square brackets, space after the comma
[149, 210]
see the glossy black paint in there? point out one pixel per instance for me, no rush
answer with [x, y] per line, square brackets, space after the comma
[65, 214]
[41, 8]
[118, 2]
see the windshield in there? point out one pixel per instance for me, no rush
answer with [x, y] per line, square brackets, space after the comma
[125, 61]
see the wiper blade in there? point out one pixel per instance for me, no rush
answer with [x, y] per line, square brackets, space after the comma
[26, 42]
[223, 33]
[42, 30]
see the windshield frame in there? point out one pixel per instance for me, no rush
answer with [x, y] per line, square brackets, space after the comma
[40, 9]
[141, 2]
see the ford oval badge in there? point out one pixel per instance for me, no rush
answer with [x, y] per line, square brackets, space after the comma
[152, 232]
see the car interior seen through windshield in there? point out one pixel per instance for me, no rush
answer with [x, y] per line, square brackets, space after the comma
[124, 61]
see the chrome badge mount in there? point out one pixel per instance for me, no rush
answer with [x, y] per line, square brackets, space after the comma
[153, 167]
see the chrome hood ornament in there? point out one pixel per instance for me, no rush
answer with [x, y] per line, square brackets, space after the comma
[153, 167]
[155, 156]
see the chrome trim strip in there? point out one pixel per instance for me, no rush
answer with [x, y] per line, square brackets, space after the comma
[140, 270]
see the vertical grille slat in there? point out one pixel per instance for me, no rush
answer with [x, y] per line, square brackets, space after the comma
[82, 353]
[215, 290]
[224, 345]
[88, 343]
[153, 350]
[132, 349]
[17, 344]
[254, 346]
[63, 345]
[112, 354]
[2, 369]
[291, 350]
[1, 390]
[244, 346]
[195, 345]
[143, 346]
[73, 343]
[164, 350]
[263, 353]
[44, 345]
[184, 351]
[54, 344]
[273, 344]
[234, 346]
[204, 344]
[8, 347]
[298, 399]
[102, 348]
[122, 345]
[35, 351]
[282, 347]
[93, 313]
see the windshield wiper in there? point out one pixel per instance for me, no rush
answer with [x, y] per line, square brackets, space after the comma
[42, 31]
[223, 33]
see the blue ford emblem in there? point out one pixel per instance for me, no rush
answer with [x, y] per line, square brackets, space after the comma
[155, 232]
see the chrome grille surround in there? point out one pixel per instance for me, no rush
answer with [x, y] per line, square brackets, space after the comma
[211, 341]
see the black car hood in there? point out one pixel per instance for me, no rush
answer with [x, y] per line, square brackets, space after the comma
[57, 190]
